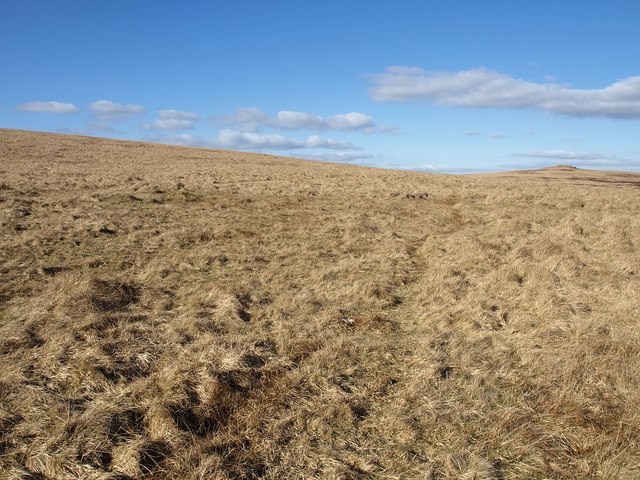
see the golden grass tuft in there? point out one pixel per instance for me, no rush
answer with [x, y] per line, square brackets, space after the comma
[171, 312]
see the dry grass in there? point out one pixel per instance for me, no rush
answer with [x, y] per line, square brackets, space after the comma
[170, 312]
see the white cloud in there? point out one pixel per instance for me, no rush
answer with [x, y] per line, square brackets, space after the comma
[107, 110]
[238, 140]
[288, 120]
[493, 136]
[168, 114]
[169, 124]
[172, 120]
[350, 121]
[253, 119]
[245, 119]
[483, 88]
[48, 107]
[248, 141]
[335, 156]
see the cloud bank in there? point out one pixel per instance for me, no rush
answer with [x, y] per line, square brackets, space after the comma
[107, 110]
[337, 156]
[483, 88]
[247, 140]
[238, 140]
[312, 147]
[48, 107]
[173, 120]
[254, 119]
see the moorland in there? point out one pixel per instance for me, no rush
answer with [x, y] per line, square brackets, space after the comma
[186, 313]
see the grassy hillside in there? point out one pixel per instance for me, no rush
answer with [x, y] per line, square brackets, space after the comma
[171, 312]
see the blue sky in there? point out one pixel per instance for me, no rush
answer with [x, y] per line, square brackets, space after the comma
[435, 85]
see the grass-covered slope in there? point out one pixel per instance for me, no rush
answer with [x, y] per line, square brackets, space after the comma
[172, 312]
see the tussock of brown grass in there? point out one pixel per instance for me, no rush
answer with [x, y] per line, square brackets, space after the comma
[170, 312]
